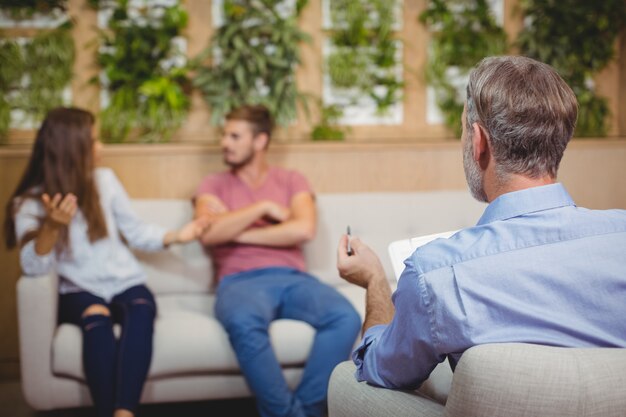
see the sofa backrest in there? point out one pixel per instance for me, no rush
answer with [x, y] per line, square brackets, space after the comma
[376, 218]
[181, 268]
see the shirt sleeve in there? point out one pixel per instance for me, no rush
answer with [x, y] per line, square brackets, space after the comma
[299, 183]
[28, 219]
[139, 234]
[208, 185]
[402, 354]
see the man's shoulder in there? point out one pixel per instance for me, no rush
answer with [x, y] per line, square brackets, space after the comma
[445, 252]
[291, 178]
[471, 244]
[591, 222]
[214, 180]
[615, 214]
[547, 230]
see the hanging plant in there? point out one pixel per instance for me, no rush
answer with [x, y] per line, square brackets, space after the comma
[328, 128]
[463, 32]
[34, 75]
[10, 79]
[254, 55]
[577, 38]
[143, 71]
[363, 59]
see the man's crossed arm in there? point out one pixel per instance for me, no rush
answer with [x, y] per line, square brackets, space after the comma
[292, 225]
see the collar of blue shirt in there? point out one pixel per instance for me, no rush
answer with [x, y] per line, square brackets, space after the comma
[526, 201]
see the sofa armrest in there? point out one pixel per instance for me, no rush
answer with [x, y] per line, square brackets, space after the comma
[37, 299]
[349, 398]
[518, 379]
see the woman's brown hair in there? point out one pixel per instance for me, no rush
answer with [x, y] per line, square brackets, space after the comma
[61, 162]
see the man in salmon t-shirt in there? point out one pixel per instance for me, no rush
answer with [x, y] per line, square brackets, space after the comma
[260, 216]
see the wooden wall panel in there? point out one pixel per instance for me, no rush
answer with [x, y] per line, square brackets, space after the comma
[85, 93]
[11, 168]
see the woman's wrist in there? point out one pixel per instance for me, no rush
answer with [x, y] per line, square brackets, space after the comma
[47, 237]
[52, 225]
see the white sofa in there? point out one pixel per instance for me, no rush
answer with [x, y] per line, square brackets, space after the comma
[192, 357]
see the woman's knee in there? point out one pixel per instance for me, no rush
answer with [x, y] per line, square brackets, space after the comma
[96, 310]
[144, 307]
[96, 315]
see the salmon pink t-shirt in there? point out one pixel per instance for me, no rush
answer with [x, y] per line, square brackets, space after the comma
[280, 186]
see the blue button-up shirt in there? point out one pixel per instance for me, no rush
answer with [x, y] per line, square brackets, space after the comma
[535, 269]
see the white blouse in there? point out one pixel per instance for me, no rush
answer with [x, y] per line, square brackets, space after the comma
[105, 267]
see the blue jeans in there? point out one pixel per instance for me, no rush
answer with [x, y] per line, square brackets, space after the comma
[115, 369]
[246, 305]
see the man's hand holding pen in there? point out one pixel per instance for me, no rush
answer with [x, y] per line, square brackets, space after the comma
[357, 263]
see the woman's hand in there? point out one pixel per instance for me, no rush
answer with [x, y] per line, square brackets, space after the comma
[191, 231]
[60, 209]
[59, 213]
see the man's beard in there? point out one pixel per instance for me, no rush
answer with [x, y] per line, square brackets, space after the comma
[240, 164]
[473, 176]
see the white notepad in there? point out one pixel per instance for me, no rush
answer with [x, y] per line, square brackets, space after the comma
[399, 250]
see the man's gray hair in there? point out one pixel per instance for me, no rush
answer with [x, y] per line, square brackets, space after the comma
[527, 110]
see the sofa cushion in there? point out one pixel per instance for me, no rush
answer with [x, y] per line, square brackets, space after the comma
[189, 340]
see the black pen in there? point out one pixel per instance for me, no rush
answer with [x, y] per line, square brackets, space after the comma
[349, 237]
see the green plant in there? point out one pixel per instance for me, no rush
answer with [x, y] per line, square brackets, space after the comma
[34, 74]
[577, 38]
[10, 78]
[23, 9]
[148, 88]
[363, 60]
[254, 55]
[327, 128]
[463, 32]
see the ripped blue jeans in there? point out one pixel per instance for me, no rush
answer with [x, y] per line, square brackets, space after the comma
[115, 369]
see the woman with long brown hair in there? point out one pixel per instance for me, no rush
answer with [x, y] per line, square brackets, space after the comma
[70, 217]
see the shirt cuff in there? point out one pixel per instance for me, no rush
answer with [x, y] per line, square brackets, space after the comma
[34, 264]
[358, 355]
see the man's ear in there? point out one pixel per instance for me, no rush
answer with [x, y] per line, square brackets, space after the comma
[480, 142]
[261, 141]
